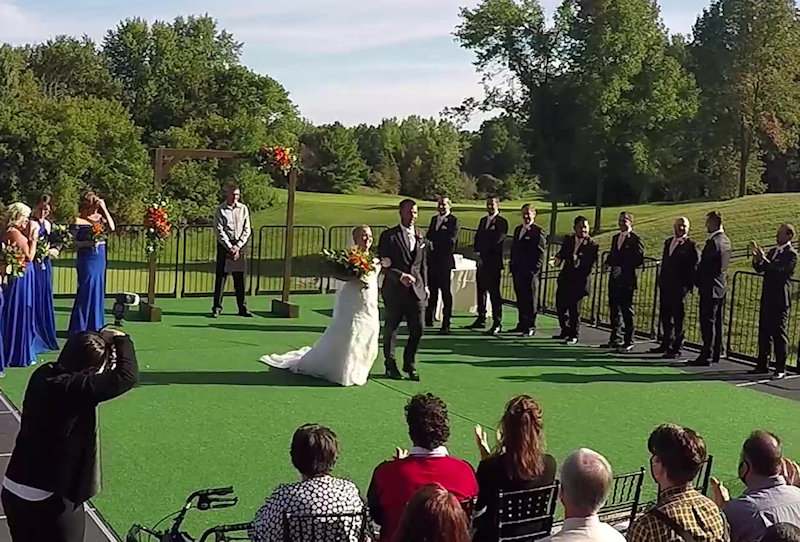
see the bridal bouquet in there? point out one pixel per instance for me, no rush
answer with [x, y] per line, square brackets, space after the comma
[352, 262]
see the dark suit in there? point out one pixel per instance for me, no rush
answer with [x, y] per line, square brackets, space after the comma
[57, 446]
[622, 283]
[526, 263]
[574, 282]
[675, 282]
[776, 299]
[712, 283]
[403, 302]
[489, 243]
[440, 266]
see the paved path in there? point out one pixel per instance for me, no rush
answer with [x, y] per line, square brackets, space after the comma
[96, 529]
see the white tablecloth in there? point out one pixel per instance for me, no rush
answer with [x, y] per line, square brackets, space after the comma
[464, 288]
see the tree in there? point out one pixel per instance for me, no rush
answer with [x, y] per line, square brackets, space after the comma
[744, 57]
[331, 161]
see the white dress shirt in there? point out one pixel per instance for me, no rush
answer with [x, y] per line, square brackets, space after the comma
[232, 223]
[783, 247]
[411, 234]
[675, 242]
[525, 229]
[717, 232]
[440, 220]
[589, 529]
[490, 219]
[621, 239]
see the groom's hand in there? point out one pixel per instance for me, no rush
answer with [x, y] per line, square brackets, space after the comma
[407, 280]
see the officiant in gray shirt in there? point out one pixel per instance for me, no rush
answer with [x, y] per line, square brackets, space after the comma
[233, 231]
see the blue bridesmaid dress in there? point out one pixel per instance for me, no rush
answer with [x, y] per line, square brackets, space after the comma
[88, 312]
[45, 325]
[18, 324]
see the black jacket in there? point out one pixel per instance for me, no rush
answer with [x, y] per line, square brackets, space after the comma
[678, 269]
[777, 290]
[712, 271]
[394, 245]
[527, 253]
[489, 242]
[577, 278]
[443, 243]
[623, 262]
[56, 447]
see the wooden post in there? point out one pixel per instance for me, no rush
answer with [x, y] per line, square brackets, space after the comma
[149, 311]
[284, 308]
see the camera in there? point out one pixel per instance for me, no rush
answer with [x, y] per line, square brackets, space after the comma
[122, 302]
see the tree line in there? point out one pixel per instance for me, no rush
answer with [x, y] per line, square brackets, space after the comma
[613, 109]
[76, 115]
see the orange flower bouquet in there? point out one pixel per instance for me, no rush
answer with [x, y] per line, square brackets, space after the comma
[14, 262]
[351, 263]
[157, 226]
[98, 233]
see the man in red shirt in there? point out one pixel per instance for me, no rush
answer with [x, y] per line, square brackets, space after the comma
[395, 481]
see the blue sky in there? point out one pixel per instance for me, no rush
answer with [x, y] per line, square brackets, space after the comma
[348, 60]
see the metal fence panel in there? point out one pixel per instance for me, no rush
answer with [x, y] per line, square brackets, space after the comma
[199, 262]
[307, 264]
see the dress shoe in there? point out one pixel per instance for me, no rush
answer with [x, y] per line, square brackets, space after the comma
[215, 313]
[496, 329]
[778, 376]
[394, 374]
[445, 331]
[700, 362]
[625, 348]
[758, 371]
[413, 376]
[657, 350]
[571, 341]
[528, 333]
[479, 323]
[244, 313]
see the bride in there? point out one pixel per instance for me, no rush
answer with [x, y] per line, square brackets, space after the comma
[346, 351]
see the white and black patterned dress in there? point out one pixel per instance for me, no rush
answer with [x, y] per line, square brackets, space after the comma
[321, 495]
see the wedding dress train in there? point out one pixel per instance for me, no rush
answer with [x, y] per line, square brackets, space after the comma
[348, 348]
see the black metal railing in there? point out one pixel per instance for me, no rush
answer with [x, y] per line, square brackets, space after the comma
[307, 269]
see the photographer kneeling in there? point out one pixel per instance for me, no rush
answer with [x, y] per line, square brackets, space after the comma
[55, 466]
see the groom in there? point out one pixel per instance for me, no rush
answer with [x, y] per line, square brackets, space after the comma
[402, 253]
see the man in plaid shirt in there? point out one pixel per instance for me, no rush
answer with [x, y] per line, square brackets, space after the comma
[682, 514]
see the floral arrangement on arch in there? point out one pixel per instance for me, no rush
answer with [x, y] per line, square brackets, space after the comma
[14, 262]
[157, 225]
[350, 263]
[277, 158]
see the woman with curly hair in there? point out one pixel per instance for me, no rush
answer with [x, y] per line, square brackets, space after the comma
[433, 515]
[394, 482]
[518, 462]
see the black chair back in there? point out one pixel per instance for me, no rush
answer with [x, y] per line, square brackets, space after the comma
[623, 501]
[226, 533]
[526, 515]
[347, 527]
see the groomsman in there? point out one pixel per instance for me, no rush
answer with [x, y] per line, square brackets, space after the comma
[443, 236]
[712, 283]
[489, 241]
[577, 256]
[626, 256]
[678, 269]
[778, 267]
[527, 250]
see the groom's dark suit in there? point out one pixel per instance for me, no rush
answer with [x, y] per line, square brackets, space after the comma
[403, 302]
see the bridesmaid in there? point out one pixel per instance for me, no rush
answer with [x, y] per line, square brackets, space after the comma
[88, 312]
[43, 273]
[18, 327]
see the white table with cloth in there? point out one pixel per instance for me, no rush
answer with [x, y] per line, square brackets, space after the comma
[464, 287]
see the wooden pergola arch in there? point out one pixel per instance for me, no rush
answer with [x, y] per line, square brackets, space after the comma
[165, 160]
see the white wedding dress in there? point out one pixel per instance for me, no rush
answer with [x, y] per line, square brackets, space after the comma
[348, 348]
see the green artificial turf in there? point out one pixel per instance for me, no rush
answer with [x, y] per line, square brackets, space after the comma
[207, 413]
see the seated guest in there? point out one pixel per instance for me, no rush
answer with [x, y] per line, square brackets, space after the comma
[768, 499]
[433, 515]
[677, 454]
[782, 532]
[519, 462]
[55, 465]
[428, 462]
[586, 479]
[314, 452]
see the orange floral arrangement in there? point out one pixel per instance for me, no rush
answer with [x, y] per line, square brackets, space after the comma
[352, 262]
[15, 262]
[277, 158]
[158, 226]
[98, 233]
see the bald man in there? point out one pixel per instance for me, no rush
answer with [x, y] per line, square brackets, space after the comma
[678, 268]
[777, 266]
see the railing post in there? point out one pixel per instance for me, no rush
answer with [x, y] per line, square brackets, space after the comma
[653, 330]
[730, 316]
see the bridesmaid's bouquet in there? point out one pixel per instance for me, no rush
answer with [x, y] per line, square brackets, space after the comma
[351, 263]
[14, 262]
[60, 237]
[98, 233]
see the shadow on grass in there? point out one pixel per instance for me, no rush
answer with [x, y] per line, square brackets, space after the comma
[255, 327]
[273, 377]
